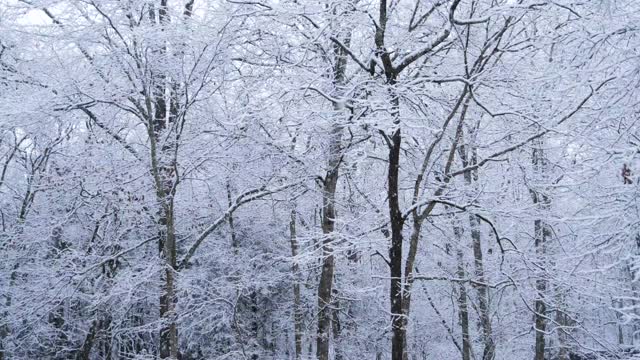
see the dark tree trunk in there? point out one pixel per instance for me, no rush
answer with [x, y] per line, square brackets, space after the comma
[330, 182]
[541, 233]
[463, 314]
[469, 157]
[398, 319]
[325, 288]
[297, 305]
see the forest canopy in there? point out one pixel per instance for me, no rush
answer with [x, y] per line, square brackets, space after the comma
[326, 179]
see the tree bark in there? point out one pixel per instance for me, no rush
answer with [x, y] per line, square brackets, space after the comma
[337, 330]
[329, 184]
[468, 156]
[325, 288]
[163, 169]
[463, 314]
[298, 326]
[398, 319]
[163, 145]
[564, 322]
[483, 291]
[541, 232]
[163, 165]
[394, 142]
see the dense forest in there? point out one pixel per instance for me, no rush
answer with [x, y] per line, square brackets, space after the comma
[319, 179]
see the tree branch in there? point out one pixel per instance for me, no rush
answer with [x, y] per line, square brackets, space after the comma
[115, 136]
[409, 59]
[495, 155]
[370, 69]
[244, 198]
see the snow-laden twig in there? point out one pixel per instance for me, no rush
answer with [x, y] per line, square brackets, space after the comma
[242, 199]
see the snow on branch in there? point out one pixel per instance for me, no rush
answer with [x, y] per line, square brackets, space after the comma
[528, 140]
[409, 59]
[242, 199]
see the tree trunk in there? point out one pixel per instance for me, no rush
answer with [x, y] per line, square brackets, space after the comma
[164, 190]
[325, 288]
[234, 239]
[540, 310]
[483, 291]
[164, 131]
[463, 314]
[398, 329]
[541, 232]
[324, 304]
[330, 182]
[97, 327]
[298, 326]
[563, 321]
[469, 157]
[163, 165]
[337, 330]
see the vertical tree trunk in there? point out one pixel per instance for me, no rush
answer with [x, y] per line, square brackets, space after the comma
[337, 330]
[463, 314]
[398, 329]
[98, 327]
[541, 232]
[540, 305]
[630, 272]
[483, 292]
[163, 175]
[163, 141]
[407, 279]
[169, 331]
[469, 157]
[234, 238]
[325, 288]
[297, 306]
[398, 292]
[394, 142]
[330, 182]
[324, 302]
[563, 321]
[163, 165]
